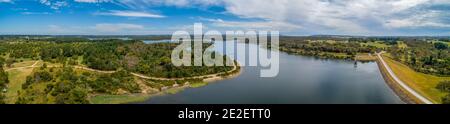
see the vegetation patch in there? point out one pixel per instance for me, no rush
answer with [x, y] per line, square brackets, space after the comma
[423, 83]
[118, 99]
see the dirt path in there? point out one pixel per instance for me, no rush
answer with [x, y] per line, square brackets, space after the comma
[32, 66]
[204, 76]
[136, 74]
[401, 83]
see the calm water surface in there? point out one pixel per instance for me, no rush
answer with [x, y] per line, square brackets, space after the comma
[300, 80]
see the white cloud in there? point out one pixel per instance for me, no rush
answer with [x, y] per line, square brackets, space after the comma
[131, 14]
[143, 4]
[344, 16]
[178, 3]
[317, 16]
[329, 16]
[92, 1]
[36, 13]
[254, 25]
[54, 4]
[430, 19]
[120, 27]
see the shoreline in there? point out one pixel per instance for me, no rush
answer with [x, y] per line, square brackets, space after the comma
[402, 92]
[175, 88]
[144, 95]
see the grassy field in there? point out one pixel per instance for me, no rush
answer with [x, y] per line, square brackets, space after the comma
[423, 83]
[401, 44]
[23, 64]
[198, 84]
[118, 99]
[375, 44]
[365, 57]
[17, 78]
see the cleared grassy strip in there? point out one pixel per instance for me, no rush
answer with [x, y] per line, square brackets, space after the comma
[423, 83]
[376, 44]
[118, 99]
[23, 64]
[365, 57]
[17, 78]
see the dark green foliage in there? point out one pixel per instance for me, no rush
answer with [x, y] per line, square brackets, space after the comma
[2, 61]
[444, 86]
[425, 57]
[112, 83]
[446, 99]
[109, 55]
[3, 82]
[2, 98]
[69, 87]
[324, 49]
[3, 78]
[441, 46]
[67, 93]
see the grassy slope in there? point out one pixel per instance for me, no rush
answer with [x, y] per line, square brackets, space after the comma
[423, 83]
[17, 78]
[23, 64]
[118, 99]
[375, 44]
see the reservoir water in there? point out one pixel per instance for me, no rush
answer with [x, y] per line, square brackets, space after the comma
[301, 80]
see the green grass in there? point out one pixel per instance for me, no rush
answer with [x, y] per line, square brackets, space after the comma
[52, 64]
[173, 90]
[198, 84]
[118, 99]
[365, 57]
[23, 64]
[401, 44]
[423, 83]
[375, 44]
[16, 79]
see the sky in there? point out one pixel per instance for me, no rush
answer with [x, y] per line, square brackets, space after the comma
[289, 17]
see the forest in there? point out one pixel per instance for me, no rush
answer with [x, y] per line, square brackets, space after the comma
[108, 55]
[425, 57]
[58, 81]
[69, 86]
[3, 82]
[325, 48]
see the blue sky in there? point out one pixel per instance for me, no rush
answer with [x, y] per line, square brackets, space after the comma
[290, 17]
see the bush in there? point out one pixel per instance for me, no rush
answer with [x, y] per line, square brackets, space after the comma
[446, 99]
[444, 86]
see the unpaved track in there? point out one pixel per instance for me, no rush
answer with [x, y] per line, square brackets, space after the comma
[402, 84]
[136, 74]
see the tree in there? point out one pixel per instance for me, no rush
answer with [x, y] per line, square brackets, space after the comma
[446, 99]
[441, 45]
[3, 81]
[10, 61]
[2, 61]
[444, 86]
[3, 78]
[2, 98]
